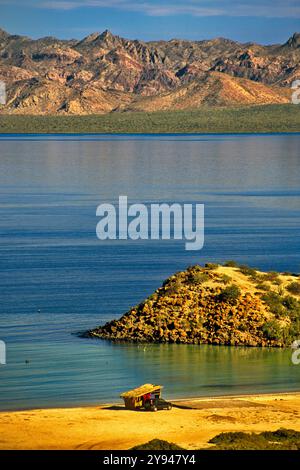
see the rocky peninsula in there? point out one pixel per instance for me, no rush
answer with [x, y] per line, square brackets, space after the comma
[222, 305]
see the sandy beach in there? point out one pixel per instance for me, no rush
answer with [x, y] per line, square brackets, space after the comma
[190, 424]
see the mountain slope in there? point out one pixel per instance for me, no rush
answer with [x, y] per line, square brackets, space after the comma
[103, 73]
[216, 89]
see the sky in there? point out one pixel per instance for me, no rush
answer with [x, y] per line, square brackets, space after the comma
[263, 21]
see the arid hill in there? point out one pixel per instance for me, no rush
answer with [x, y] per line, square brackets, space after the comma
[225, 305]
[103, 73]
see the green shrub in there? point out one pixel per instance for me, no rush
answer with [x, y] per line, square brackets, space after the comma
[291, 303]
[270, 276]
[263, 286]
[282, 439]
[194, 268]
[293, 307]
[274, 302]
[211, 266]
[173, 287]
[280, 291]
[225, 279]
[197, 278]
[157, 444]
[244, 269]
[294, 288]
[294, 330]
[231, 264]
[197, 267]
[281, 434]
[230, 294]
[273, 331]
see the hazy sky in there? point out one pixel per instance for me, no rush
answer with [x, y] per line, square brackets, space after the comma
[265, 21]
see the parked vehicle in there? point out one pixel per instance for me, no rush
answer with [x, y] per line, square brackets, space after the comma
[158, 404]
[147, 397]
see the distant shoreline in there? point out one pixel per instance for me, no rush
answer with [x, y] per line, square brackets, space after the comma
[262, 119]
[175, 401]
[124, 135]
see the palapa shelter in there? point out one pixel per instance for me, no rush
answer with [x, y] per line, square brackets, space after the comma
[137, 397]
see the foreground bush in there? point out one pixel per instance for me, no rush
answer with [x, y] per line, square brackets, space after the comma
[294, 288]
[282, 439]
[157, 444]
[231, 264]
[230, 294]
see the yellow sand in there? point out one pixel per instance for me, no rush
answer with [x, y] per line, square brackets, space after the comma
[113, 427]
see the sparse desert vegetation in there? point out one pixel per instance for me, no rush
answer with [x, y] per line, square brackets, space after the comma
[227, 305]
[238, 119]
[282, 439]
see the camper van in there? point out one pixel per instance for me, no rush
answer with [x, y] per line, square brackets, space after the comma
[146, 397]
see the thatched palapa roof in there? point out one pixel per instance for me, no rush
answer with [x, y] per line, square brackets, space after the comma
[142, 390]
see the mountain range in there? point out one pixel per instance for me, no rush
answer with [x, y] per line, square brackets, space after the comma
[104, 72]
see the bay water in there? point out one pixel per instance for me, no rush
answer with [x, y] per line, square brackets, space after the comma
[58, 279]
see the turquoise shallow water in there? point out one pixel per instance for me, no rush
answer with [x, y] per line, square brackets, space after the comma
[64, 370]
[57, 278]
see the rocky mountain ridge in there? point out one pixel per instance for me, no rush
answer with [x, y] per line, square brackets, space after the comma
[104, 72]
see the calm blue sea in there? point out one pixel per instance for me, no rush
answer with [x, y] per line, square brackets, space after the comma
[57, 278]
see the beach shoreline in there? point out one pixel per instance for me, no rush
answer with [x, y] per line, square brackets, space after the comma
[174, 401]
[190, 424]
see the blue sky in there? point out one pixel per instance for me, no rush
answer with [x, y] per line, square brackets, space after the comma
[264, 21]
